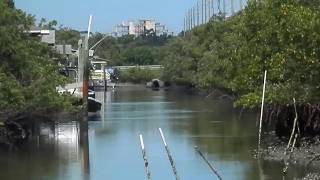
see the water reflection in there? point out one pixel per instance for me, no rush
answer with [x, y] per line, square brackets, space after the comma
[56, 152]
[108, 146]
[188, 121]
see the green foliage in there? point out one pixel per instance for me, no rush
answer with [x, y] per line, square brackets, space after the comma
[67, 36]
[280, 36]
[51, 25]
[138, 56]
[137, 75]
[130, 50]
[28, 75]
[11, 93]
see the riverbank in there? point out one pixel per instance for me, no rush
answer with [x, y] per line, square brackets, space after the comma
[187, 121]
[311, 176]
[307, 149]
[306, 154]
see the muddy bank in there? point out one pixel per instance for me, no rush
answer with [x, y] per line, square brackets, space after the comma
[306, 154]
[305, 149]
[310, 176]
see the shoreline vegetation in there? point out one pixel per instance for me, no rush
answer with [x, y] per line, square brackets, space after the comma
[28, 77]
[232, 53]
[224, 58]
[138, 76]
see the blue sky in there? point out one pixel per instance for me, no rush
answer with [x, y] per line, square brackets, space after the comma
[107, 13]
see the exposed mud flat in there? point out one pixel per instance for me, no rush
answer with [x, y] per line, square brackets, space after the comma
[305, 154]
[310, 176]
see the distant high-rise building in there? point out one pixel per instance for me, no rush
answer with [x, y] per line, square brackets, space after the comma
[140, 27]
[132, 28]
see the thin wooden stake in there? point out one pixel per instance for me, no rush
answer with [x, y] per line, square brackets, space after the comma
[293, 133]
[294, 124]
[210, 166]
[169, 156]
[262, 106]
[146, 164]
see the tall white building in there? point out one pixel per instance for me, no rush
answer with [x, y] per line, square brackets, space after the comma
[140, 27]
[132, 28]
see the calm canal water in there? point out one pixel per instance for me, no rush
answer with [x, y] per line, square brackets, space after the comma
[108, 146]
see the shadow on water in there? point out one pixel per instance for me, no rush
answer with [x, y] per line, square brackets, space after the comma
[57, 151]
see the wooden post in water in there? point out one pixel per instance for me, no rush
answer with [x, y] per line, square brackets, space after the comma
[210, 166]
[146, 163]
[85, 56]
[105, 78]
[169, 155]
[84, 147]
[262, 107]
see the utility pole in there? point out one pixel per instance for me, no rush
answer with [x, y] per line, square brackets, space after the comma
[209, 9]
[224, 8]
[198, 18]
[185, 23]
[190, 15]
[105, 78]
[84, 53]
[184, 26]
[232, 7]
[83, 70]
[219, 7]
[205, 11]
[80, 61]
[188, 21]
[202, 11]
[194, 16]
[212, 6]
